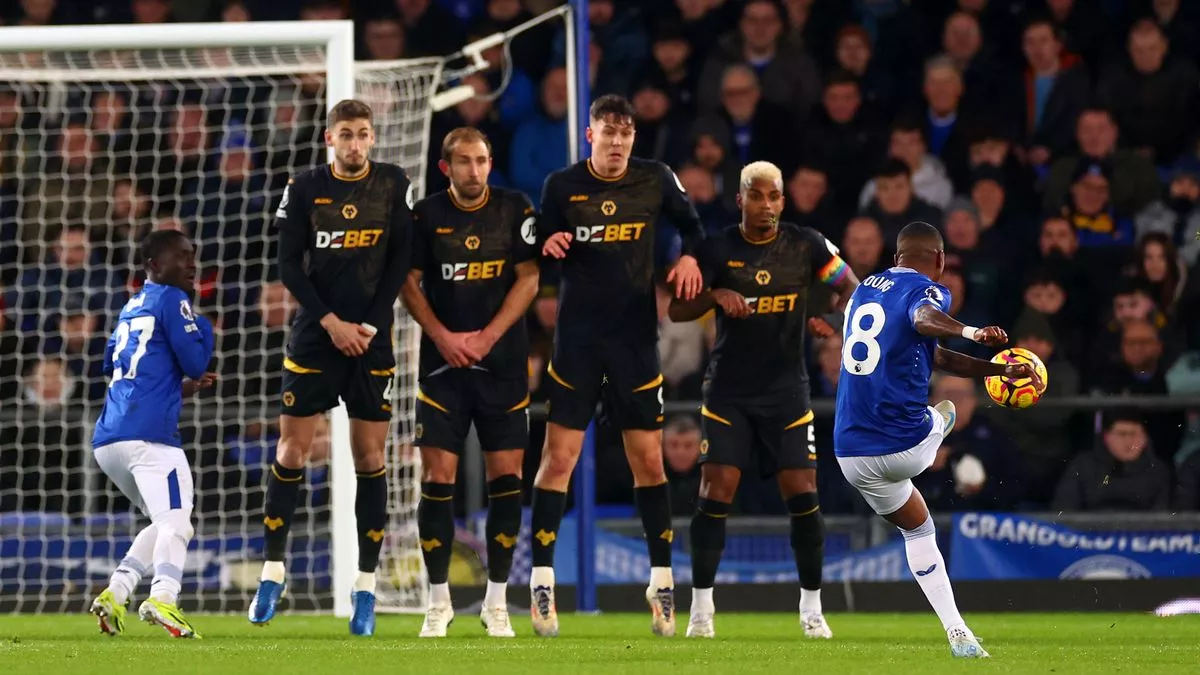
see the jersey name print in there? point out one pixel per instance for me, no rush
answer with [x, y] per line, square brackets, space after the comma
[883, 388]
[158, 341]
[607, 289]
[763, 354]
[468, 259]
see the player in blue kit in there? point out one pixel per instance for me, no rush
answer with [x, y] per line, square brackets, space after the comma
[885, 433]
[158, 341]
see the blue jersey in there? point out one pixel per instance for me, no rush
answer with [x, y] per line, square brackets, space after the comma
[883, 389]
[158, 341]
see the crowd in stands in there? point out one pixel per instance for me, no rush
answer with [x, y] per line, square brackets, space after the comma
[1056, 143]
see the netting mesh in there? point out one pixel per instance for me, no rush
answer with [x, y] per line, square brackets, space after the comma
[98, 148]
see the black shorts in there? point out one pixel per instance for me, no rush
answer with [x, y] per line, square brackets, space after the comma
[777, 432]
[447, 404]
[313, 384]
[627, 375]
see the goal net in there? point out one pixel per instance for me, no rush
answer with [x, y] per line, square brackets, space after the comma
[98, 147]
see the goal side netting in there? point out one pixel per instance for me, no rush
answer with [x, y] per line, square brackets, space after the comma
[99, 147]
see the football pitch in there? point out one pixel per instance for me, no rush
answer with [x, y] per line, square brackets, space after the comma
[897, 644]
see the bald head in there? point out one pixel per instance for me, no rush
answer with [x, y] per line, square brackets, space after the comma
[920, 247]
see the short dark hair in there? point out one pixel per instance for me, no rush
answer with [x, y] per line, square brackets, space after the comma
[908, 124]
[612, 105]
[349, 109]
[1042, 20]
[682, 424]
[892, 168]
[921, 231]
[1123, 415]
[159, 241]
[463, 135]
[1133, 286]
[840, 77]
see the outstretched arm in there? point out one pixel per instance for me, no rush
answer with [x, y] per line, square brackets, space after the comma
[956, 363]
[933, 322]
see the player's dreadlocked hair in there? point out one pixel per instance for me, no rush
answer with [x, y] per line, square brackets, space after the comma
[614, 106]
[158, 241]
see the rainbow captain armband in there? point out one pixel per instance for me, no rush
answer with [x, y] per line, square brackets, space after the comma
[834, 271]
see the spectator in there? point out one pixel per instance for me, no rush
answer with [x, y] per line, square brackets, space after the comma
[235, 11]
[789, 76]
[981, 267]
[151, 11]
[673, 70]
[1157, 265]
[843, 138]
[49, 386]
[1153, 99]
[1142, 370]
[1134, 180]
[431, 29]
[894, 205]
[322, 10]
[682, 447]
[986, 84]
[74, 187]
[1118, 475]
[976, 467]
[39, 296]
[1083, 29]
[808, 203]
[620, 34]
[1042, 436]
[856, 56]
[709, 152]
[383, 38]
[945, 121]
[1178, 215]
[539, 145]
[757, 128]
[662, 133]
[81, 344]
[1131, 302]
[1056, 89]
[863, 247]
[42, 455]
[1090, 208]
[531, 49]
[702, 189]
[479, 112]
[251, 357]
[1001, 228]
[930, 183]
[1181, 31]
[1046, 296]
[987, 145]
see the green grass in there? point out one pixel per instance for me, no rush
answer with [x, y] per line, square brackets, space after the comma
[616, 643]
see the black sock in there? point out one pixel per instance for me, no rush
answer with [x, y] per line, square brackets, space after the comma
[371, 513]
[708, 541]
[808, 538]
[435, 527]
[654, 506]
[548, 507]
[503, 525]
[283, 491]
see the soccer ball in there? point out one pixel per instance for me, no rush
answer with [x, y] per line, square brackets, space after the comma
[1012, 393]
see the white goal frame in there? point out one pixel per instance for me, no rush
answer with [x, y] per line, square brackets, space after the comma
[337, 40]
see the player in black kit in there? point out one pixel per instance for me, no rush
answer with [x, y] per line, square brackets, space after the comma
[344, 245]
[599, 217]
[475, 271]
[756, 390]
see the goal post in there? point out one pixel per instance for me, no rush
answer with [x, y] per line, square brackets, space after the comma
[153, 114]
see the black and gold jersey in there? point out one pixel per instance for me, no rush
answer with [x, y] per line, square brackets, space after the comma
[344, 247]
[607, 288]
[467, 257]
[763, 353]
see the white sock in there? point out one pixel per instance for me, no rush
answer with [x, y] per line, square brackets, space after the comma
[365, 581]
[170, 555]
[496, 594]
[810, 601]
[702, 601]
[135, 565]
[273, 570]
[541, 576]
[929, 569]
[439, 594]
[661, 577]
